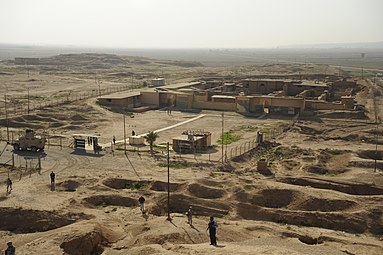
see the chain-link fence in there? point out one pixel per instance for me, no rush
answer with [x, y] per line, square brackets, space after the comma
[14, 106]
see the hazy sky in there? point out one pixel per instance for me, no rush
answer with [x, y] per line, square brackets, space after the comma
[189, 23]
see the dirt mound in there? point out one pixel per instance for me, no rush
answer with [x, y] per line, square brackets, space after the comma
[306, 130]
[343, 115]
[345, 187]
[117, 183]
[68, 185]
[366, 164]
[85, 243]
[291, 164]
[72, 127]
[56, 125]
[242, 196]
[371, 154]
[292, 200]
[316, 169]
[115, 200]
[205, 192]
[180, 204]
[77, 117]
[324, 205]
[21, 124]
[310, 240]
[19, 220]
[348, 222]
[209, 182]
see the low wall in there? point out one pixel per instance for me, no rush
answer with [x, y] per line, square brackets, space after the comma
[324, 106]
[215, 106]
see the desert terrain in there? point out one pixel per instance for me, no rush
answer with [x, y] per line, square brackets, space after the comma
[323, 193]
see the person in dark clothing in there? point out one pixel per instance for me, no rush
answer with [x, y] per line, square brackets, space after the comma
[141, 200]
[9, 185]
[53, 176]
[114, 140]
[189, 213]
[11, 250]
[212, 227]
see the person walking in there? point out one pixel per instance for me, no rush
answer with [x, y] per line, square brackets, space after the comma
[53, 177]
[212, 227]
[189, 213]
[11, 250]
[114, 140]
[9, 185]
[141, 200]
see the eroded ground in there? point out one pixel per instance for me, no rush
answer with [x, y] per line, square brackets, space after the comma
[320, 195]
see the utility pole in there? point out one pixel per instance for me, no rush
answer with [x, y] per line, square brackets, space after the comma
[222, 137]
[124, 135]
[132, 83]
[6, 116]
[376, 145]
[28, 100]
[168, 159]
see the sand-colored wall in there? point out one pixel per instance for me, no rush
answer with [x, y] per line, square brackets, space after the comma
[202, 98]
[128, 102]
[184, 101]
[150, 98]
[215, 106]
[318, 105]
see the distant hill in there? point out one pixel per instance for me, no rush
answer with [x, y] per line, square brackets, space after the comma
[366, 45]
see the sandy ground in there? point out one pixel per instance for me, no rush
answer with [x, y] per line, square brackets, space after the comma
[322, 197]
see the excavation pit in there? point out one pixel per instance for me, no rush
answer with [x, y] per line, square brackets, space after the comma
[201, 191]
[111, 200]
[19, 220]
[117, 183]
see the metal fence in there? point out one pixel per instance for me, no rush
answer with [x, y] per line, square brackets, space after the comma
[21, 105]
[52, 140]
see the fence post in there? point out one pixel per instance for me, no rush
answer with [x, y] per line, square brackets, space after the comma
[39, 163]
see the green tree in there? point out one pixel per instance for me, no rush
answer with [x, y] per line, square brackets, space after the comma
[151, 137]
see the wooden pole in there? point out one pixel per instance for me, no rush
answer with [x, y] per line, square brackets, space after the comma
[124, 136]
[168, 157]
[6, 115]
[222, 137]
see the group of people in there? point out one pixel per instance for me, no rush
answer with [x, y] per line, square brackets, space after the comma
[212, 225]
[9, 182]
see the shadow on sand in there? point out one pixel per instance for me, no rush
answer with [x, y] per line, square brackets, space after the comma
[88, 154]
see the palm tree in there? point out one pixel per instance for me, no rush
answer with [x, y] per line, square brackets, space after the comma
[151, 138]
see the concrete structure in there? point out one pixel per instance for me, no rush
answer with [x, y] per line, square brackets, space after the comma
[249, 96]
[136, 140]
[158, 82]
[192, 141]
[128, 100]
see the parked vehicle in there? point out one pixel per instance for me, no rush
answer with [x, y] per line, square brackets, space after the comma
[29, 141]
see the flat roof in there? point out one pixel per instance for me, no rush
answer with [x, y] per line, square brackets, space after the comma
[121, 95]
[223, 96]
[311, 84]
[180, 85]
[186, 138]
[86, 135]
